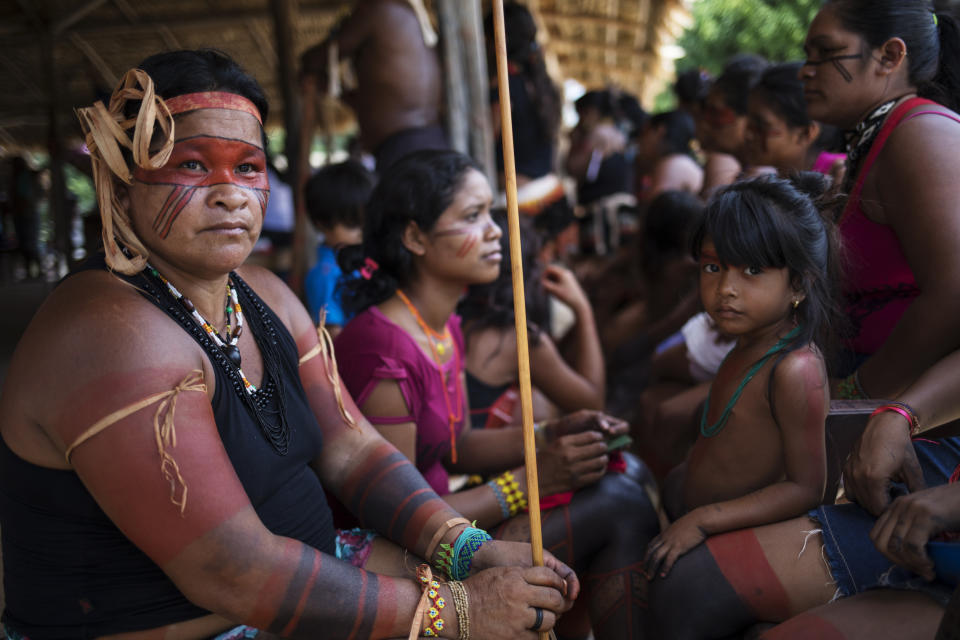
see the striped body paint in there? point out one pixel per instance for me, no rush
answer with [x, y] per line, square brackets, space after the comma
[744, 565]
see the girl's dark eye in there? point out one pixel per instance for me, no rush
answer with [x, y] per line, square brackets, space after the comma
[246, 167]
[710, 268]
[191, 165]
[754, 271]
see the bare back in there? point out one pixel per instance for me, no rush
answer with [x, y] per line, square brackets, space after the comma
[398, 74]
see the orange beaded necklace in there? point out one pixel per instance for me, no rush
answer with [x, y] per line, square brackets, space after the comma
[435, 340]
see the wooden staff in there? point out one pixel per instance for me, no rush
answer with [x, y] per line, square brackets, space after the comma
[519, 299]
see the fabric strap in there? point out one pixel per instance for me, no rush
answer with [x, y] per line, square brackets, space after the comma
[164, 431]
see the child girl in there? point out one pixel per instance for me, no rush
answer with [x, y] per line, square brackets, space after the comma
[428, 235]
[781, 134]
[766, 257]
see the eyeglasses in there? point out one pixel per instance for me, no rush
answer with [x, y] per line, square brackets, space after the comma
[835, 60]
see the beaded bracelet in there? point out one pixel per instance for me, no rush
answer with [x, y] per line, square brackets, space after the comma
[466, 546]
[904, 410]
[850, 388]
[501, 499]
[462, 605]
[512, 493]
[433, 621]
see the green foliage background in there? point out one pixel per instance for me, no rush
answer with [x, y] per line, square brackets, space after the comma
[774, 29]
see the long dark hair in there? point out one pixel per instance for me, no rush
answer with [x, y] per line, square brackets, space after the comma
[932, 39]
[771, 222]
[491, 304]
[524, 52]
[416, 189]
[176, 73]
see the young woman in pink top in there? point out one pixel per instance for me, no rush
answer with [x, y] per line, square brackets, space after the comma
[428, 234]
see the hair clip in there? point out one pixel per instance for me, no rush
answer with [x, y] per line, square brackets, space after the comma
[369, 267]
[936, 21]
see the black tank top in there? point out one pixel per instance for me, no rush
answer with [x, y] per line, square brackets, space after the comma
[70, 573]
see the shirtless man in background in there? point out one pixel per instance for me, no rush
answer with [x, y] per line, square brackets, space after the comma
[398, 84]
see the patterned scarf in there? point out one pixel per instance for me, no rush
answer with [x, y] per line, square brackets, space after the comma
[860, 139]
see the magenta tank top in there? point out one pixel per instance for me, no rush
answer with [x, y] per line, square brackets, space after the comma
[372, 348]
[879, 284]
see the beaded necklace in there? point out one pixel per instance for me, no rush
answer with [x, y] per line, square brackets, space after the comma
[268, 403]
[437, 340]
[708, 431]
[228, 346]
[436, 352]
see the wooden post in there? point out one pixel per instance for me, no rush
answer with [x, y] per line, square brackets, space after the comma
[519, 300]
[478, 86]
[284, 15]
[58, 211]
[458, 108]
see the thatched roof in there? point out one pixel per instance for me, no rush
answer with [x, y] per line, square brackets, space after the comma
[62, 52]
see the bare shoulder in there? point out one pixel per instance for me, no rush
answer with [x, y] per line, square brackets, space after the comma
[95, 345]
[803, 368]
[927, 131]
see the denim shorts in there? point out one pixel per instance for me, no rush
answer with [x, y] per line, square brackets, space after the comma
[855, 563]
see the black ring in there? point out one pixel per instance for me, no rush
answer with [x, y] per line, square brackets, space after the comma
[536, 625]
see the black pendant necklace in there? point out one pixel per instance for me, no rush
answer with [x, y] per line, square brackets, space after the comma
[229, 345]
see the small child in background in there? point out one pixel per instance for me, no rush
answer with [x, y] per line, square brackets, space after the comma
[767, 260]
[335, 197]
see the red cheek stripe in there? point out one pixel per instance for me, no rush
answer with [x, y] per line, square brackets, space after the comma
[179, 198]
[743, 563]
[468, 244]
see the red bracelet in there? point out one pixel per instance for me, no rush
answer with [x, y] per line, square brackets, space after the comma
[904, 411]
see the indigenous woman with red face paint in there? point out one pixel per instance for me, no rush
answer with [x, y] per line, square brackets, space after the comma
[428, 234]
[888, 70]
[171, 419]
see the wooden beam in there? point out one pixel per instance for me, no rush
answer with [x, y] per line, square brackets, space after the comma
[71, 19]
[107, 75]
[14, 36]
[591, 19]
[478, 84]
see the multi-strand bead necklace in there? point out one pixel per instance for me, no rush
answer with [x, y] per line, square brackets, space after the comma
[227, 345]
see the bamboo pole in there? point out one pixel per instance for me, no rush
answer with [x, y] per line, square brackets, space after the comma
[519, 299]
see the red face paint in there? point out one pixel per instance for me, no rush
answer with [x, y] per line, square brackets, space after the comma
[469, 243]
[205, 161]
[743, 563]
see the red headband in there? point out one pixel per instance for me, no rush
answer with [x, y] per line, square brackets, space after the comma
[212, 100]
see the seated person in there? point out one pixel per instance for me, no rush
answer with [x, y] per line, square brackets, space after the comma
[491, 339]
[665, 159]
[428, 228]
[335, 198]
[167, 479]
[765, 257]
[780, 132]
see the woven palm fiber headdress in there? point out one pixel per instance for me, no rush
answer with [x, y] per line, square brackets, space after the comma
[108, 132]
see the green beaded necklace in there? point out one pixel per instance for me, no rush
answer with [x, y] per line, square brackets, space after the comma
[708, 431]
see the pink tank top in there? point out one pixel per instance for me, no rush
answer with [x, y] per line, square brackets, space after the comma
[372, 348]
[879, 284]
